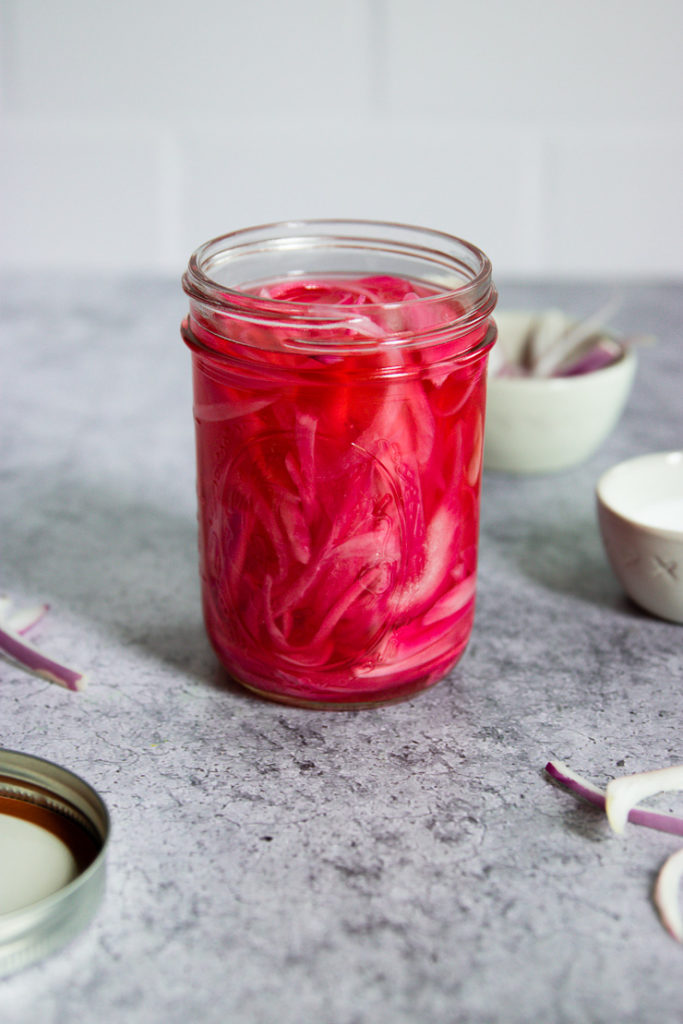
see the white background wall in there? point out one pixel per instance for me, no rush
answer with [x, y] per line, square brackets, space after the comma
[550, 133]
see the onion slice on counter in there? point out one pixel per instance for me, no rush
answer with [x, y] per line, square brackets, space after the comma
[13, 624]
[659, 820]
[576, 783]
[666, 894]
[624, 793]
[21, 620]
[619, 802]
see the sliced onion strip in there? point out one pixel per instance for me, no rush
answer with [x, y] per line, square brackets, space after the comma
[13, 624]
[619, 801]
[659, 820]
[624, 793]
[576, 783]
[24, 619]
[666, 894]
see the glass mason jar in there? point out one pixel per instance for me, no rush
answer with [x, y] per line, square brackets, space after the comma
[339, 386]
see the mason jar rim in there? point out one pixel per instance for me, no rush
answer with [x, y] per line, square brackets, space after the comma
[455, 255]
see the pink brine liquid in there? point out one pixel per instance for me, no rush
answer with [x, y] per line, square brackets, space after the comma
[338, 493]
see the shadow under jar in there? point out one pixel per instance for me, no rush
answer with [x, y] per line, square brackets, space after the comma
[339, 388]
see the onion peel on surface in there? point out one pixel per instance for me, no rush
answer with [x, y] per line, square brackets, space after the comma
[13, 626]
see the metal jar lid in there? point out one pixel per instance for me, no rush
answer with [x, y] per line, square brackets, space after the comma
[53, 841]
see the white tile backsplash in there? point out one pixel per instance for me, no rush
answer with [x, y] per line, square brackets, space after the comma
[179, 61]
[80, 196]
[535, 62]
[616, 205]
[408, 170]
[549, 134]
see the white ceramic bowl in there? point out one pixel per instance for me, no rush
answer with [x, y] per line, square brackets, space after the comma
[640, 511]
[543, 424]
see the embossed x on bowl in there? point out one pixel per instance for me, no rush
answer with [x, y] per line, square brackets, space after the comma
[640, 512]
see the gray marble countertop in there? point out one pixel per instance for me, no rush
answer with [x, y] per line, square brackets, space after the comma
[404, 864]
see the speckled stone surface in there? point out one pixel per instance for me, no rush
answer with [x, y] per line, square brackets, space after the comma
[404, 864]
